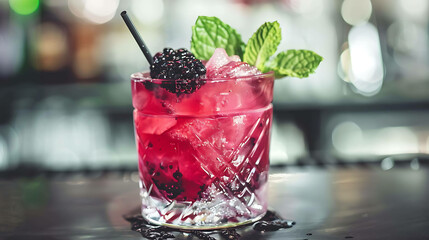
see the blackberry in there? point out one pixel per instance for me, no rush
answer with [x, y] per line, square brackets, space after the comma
[181, 67]
[177, 175]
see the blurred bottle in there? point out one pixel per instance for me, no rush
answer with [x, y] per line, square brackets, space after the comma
[52, 48]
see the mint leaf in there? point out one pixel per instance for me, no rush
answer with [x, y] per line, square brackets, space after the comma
[210, 33]
[262, 45]
[295, 63]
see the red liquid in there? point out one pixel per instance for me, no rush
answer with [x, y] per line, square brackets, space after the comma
[209, 146]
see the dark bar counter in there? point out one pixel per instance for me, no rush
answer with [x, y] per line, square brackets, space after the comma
[327, 202]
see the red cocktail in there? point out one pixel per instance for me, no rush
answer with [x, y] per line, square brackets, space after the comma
[203, 156]
[202, 124]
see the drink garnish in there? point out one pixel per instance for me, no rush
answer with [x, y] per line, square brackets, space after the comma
[262, 45]
[295, 63]
[179, 65]
[210, 33]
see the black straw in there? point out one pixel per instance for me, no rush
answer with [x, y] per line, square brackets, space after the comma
[137, 37]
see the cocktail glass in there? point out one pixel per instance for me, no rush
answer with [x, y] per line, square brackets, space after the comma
[203, 156]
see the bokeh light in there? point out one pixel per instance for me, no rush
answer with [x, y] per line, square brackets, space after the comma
[350, 139]
[24, 7]
[395, 140]
[355, 12]
[347, 137]
[51, 47]
[147, 11]
[408, 38]
[96, 11]
[414, 164]
[387, 163]
[313, 8]
[100, 11]
[415, 9]
[11, 51]
[367, 71]
[344, 65]
[76, 7]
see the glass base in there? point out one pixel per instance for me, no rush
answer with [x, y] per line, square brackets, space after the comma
[204, 227]
[219, 210]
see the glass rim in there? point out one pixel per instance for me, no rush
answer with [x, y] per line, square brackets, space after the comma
[144, 76]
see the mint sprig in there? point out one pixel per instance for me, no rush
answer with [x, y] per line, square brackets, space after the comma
[263, 44]
[210, 33]
[295, 63]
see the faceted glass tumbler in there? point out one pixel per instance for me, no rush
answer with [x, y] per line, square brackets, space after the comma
[203, 156]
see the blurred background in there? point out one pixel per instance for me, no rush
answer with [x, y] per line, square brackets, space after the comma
[65, 101]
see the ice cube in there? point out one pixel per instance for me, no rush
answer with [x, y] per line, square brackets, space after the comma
[237, 69]
[222, 65]
[235, 58]
[152, 125]
[220, 58]
[222, 134]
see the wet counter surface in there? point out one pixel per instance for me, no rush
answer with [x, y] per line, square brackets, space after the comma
[349, 202]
